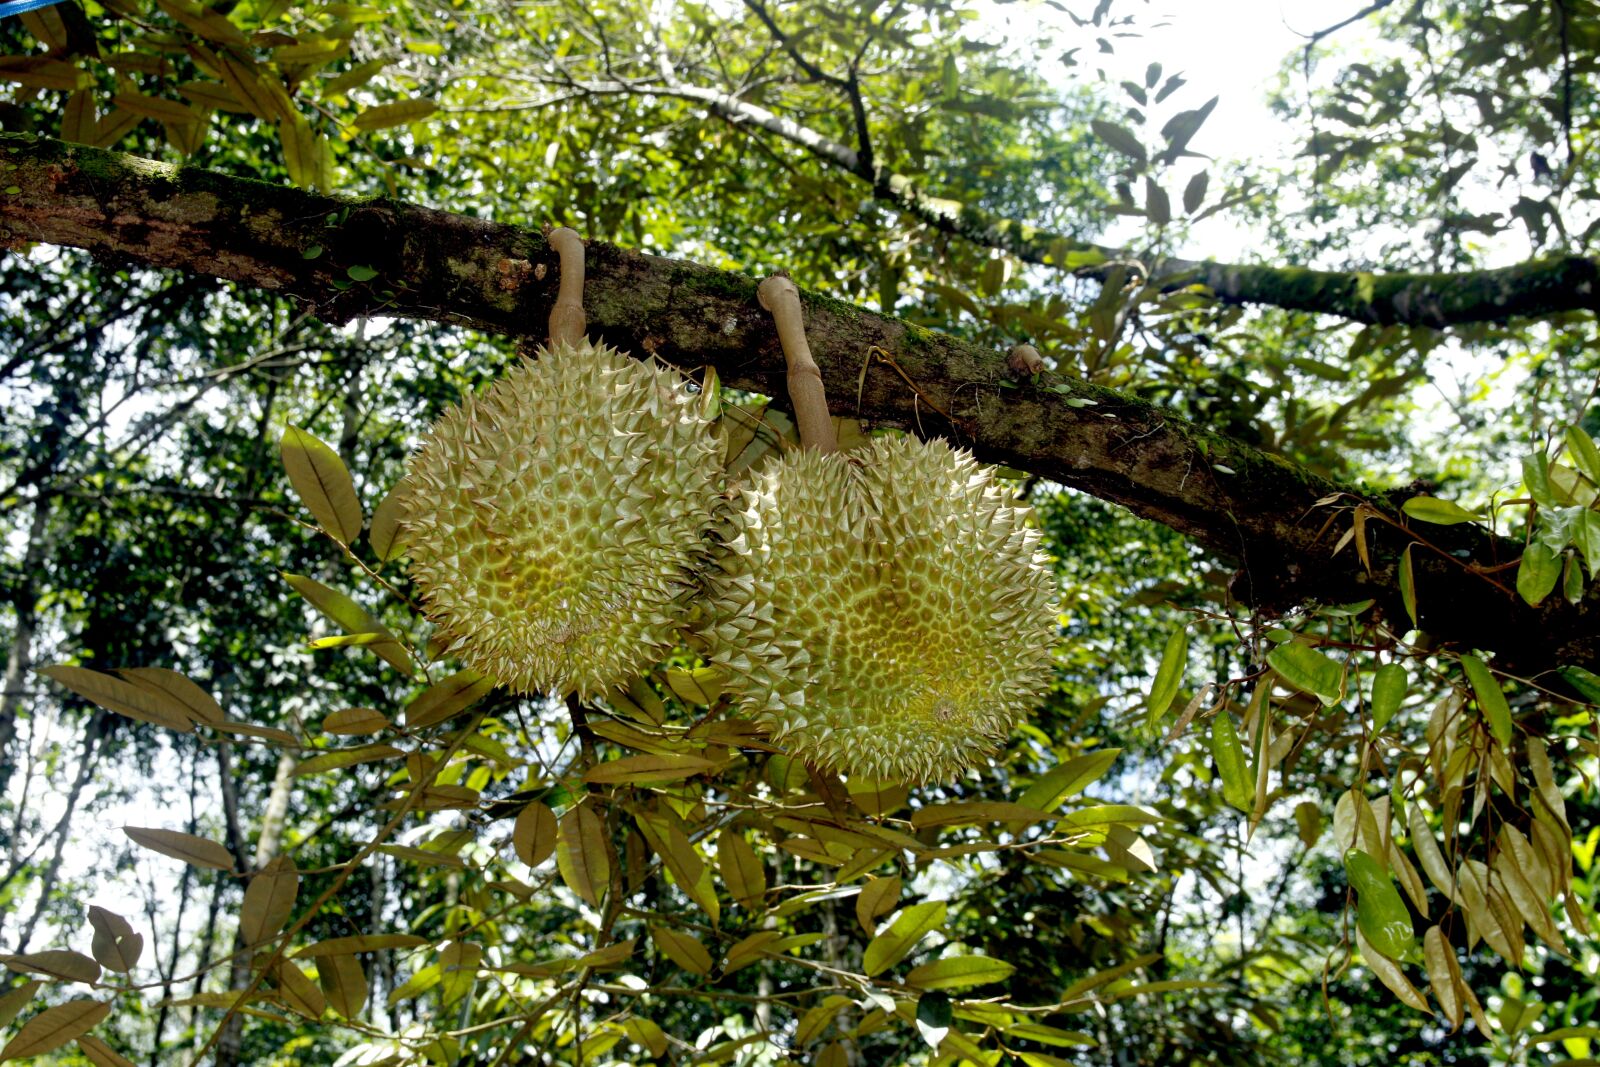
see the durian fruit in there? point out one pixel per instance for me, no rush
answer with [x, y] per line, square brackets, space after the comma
[883, 611]
[555, 520]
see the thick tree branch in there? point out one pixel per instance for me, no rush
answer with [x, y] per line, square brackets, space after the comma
[1277, 521]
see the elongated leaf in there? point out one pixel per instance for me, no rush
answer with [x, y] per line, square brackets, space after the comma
[344, 983]
[447, 699]
[1585, 456]
[116, 945]
[59, 963]
[1408, 585]
[742, 870]
[654, 768]
[349, 946]
[384, 533]
[268, 901]
[1238, 784]
[399, 113]
[1390, 974]
[323, 483]
[683, 949]
[896, 942]
[54, 1027]
[1443, 978]
[13, 1001]
[339, 759]
[195, 851]
[1068, 779]
[534, 834]
[299, 992]
[1389, 685]
[197, 704]
[1310, 671]
[700, 686]
[959, 972]
[101, 1054]
[1439, 512]
[1120, 138]
[975, 812]
[352, 618]
[123, 697]
[1169, 676]
[355, 722]
[1491, 698]
[581, 854]
[1380, 913]
[1587, 683]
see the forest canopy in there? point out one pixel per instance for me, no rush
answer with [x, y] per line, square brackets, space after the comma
[1305, 771]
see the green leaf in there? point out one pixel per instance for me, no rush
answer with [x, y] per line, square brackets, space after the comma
[1238, 784]
[1439, 512]
[1170, 675]
[934, 1016]
[1381, 914]
[323, 483]
[1538, 572]
[1309, 671]
[360, 272]
[894, 943]
[1408, 585]
[1586, 535]
[1194, 194]
[448, 698]
[1121, 139]
[1491, 699]
[352, 618]
[1585, 456]
[1389, 687]
[959, 972]
[1587, 683]
[1536, 476]
[702, 685]
[1068, 779]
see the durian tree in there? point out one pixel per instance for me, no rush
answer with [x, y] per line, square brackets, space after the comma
[447, 849]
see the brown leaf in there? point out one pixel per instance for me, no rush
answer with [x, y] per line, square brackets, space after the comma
[742, 870]
[345, 984]
[878, 897]
[13, 1001]
[54, 1027]
[196, 851]
[116, 945]
[581, 853]
[60, 963]
[101, 1054]
[268, 901]
[122, 697]
[197, 704]
[323, 483]
[534, 834]
[299, 992]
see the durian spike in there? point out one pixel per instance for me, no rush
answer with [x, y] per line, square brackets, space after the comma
[567, 321]
[780, 297]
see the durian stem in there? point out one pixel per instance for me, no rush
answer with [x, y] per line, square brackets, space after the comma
[780, 297]
[567, 321]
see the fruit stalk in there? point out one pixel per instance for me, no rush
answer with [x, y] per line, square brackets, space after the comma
[567, 321]
[782, 299]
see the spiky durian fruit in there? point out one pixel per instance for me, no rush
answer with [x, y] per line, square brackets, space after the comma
[554, 519]
[883, 610]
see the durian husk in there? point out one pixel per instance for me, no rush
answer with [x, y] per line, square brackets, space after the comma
[555, 520]
[883, 611]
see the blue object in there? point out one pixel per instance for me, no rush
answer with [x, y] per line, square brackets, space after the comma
[17, 7]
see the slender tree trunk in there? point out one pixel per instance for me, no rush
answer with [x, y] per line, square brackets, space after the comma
[268, 842]
[185, 884]
[19, 659]
[91, 745]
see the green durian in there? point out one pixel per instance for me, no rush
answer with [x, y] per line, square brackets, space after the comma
[883, 611]
[555, 520]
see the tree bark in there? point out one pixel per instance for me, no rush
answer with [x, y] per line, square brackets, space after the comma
[19, 659]
[1278, 522]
